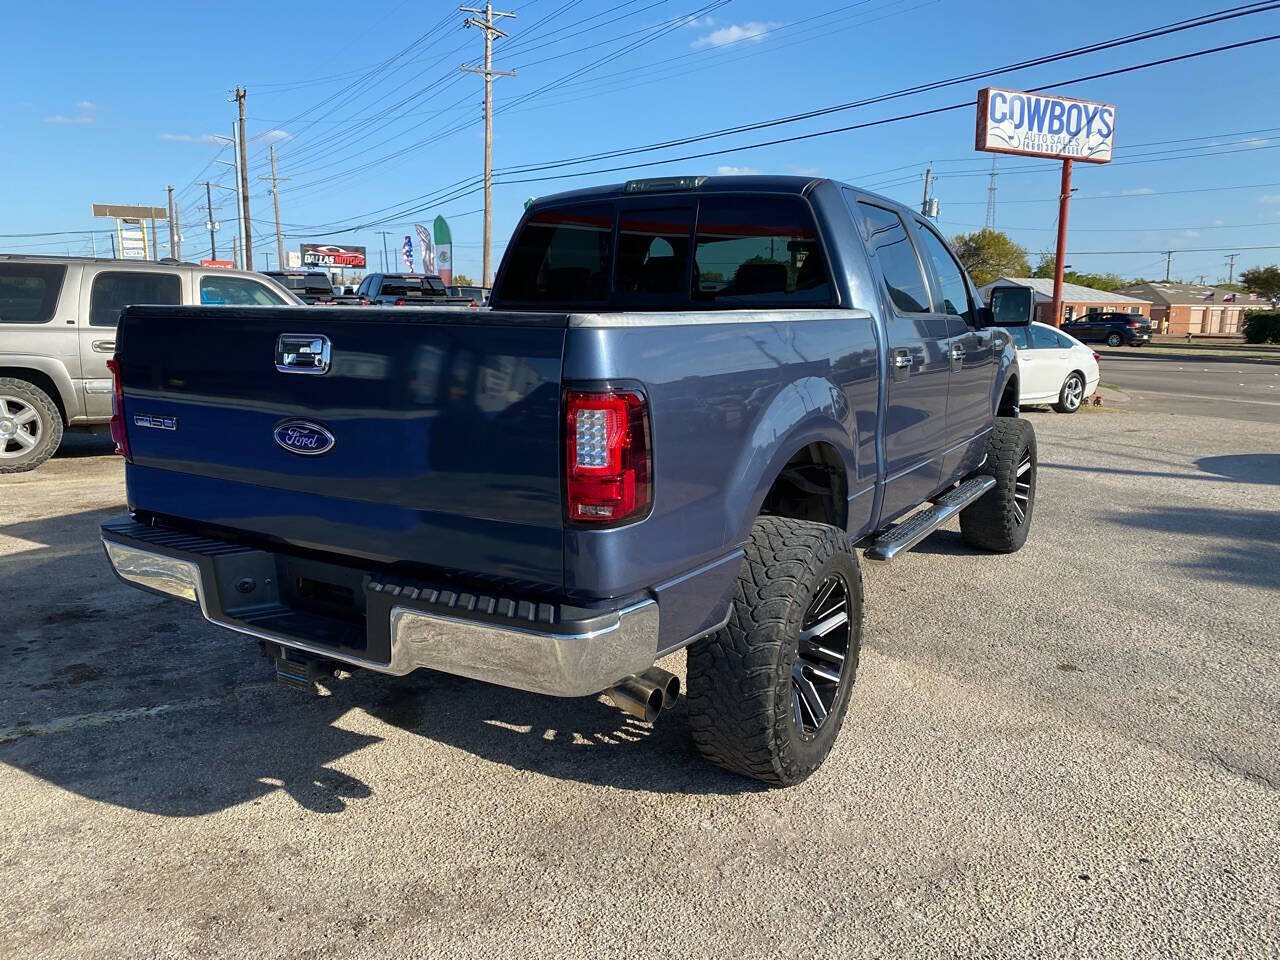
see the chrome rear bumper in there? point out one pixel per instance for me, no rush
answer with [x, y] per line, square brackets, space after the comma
[566, 664]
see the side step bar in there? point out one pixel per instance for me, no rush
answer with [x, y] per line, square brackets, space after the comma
[920, 524]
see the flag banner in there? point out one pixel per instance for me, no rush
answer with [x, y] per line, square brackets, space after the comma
[444, 250]
[426, 250]
[407, 252]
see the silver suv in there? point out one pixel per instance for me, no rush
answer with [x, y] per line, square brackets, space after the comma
[57, 332]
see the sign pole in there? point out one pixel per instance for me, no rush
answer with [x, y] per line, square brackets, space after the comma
[1064, 202]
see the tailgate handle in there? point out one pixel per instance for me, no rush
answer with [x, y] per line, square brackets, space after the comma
[302, 353]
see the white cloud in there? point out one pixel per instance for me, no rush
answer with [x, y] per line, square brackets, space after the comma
[752, 30]
[1219, 223]
[82, 117]
[1136, 192]
[1190, 233]
[735, 171]
[1269, 198]
[273, 136]
[806, 171]
[190, 138]
[701, 22]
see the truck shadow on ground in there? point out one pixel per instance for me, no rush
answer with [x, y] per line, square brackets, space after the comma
[218, 732]
[1243, 547]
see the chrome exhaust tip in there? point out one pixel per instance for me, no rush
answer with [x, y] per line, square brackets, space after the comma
[669, 683]
[646, 695]
[637, 698]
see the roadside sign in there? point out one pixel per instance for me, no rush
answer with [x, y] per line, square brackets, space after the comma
[133, 239]
[332, 255]
[221, 264]
[1044, 125]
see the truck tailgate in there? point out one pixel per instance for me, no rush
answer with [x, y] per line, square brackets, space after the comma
[445, 430]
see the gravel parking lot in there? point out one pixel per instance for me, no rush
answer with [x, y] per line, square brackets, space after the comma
[1074, 750]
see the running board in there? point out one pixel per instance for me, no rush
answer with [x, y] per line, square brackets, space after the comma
[920, 524]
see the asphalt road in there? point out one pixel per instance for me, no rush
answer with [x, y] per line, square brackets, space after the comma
[1196, 385]
[1071, 751]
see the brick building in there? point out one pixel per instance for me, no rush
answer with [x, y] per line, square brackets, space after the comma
[1180, 308]
[1076, 300]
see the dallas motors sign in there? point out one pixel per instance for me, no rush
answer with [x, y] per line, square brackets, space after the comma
[1039, 125]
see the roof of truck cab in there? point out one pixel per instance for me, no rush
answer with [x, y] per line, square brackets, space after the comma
[761, 183]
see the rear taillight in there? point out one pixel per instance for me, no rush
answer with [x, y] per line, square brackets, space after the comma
[399, 303]
[119, 436]
[1134, 324]
[608, 458]
[1097, 357]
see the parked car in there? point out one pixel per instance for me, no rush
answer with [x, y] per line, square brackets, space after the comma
[1055, 367]
[310, 286]
[57, 332]
[1113, 329]
[407, 290]
[480, 295]
[693, 399]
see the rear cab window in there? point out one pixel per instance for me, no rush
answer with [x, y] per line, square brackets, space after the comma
[113, 290]
[29, 291]
[677, 252]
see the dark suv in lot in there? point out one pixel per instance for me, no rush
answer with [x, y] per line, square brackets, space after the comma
[1113, 329]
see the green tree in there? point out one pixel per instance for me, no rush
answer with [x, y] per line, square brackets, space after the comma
[1096, 281]
[989, 255]
[1264, 281]
[462, 280]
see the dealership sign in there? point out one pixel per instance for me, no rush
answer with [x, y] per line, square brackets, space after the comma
[331, 255]
[1039, 125]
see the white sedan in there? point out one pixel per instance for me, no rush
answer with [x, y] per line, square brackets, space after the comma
[1053, 367]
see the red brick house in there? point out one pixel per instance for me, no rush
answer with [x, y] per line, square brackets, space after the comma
[1076, 300]
[1180, 308]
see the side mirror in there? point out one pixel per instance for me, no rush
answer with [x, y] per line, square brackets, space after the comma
[1012, 306]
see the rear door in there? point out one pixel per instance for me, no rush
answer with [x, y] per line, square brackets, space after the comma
[971, 353]
[919, 366]
[107, 290]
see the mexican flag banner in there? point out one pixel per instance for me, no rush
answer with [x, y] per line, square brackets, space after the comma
[444, 250]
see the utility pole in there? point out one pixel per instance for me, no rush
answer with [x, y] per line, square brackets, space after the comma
[208, 201]
[235, 254]
[490, 31]
[385, 258]
[1059, 261]
[1231, 267]
[244, 184]
[991, 197]
[177, 225]
[172, 232]
[928, 182]
[1168, 263]
[275, 199]
[1201, 280]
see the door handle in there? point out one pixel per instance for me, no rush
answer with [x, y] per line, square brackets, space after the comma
[103, 346]
[957, 352]
[902, 359]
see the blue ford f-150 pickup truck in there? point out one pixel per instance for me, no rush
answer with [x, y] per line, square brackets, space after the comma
[692, 400]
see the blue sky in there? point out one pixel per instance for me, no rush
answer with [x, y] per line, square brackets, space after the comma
[122, 99]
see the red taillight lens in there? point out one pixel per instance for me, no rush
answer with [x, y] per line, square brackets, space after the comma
[1097, 357]
[608, 459]
[399, 303]
[119, 436]
[1134, 325]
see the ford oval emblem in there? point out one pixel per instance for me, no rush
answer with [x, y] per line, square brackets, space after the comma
[304, 437]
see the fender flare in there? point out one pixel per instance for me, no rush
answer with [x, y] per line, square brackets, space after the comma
[805, 411]
[13, 365]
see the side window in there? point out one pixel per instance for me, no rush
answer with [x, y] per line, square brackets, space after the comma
[236, 291]
[653, 252]
[1019, 337]
[113, 290]
[29, 291]
[1043, 338]
[756, 251]
[1064, 341]
[953, 297]
[898, 262]
[562, 255]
